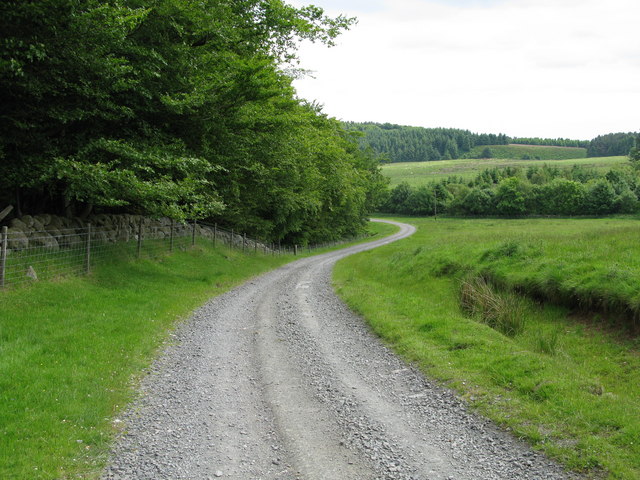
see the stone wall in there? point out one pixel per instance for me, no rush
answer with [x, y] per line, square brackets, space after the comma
[52, 232]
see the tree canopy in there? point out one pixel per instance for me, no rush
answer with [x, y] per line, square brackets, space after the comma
[178, 108]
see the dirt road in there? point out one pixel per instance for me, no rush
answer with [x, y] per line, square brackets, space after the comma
[277, 379]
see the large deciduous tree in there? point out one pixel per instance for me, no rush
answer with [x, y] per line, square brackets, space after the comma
[179, 108]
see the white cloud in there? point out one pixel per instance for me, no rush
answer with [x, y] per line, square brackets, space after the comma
[567, 68]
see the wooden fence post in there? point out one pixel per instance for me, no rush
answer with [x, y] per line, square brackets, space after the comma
[3, 255]
[231, 239]
[244, 241]
[193, 233]
[87, 258]
[215, 233]
[295, 250]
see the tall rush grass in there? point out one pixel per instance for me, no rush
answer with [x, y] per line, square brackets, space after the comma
[503, 311]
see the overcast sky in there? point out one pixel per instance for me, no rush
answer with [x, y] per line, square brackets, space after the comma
[540, 68]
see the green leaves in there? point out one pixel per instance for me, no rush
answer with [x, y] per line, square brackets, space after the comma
[634, 153]
[159, 180]
[178, 108]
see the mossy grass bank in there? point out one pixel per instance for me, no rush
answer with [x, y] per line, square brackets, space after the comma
[73, 349]
[466, 300]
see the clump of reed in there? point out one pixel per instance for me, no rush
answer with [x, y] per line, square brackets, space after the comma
[502, 310]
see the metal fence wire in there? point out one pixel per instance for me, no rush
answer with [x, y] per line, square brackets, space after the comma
[57, 252]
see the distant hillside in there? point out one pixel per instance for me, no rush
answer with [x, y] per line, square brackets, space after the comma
[527, 152]
[418, 144]
[401, 143]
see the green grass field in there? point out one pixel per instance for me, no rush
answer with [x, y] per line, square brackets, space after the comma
[73, 349]
[419, 173]
[540, 152]
[565, 380]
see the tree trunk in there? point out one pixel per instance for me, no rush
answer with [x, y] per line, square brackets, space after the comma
[18, 203]
[5, 212]
[86, 211]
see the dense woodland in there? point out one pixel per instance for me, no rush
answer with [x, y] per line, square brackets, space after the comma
[551, 142]
[417, 144]
[611, 144]
[183, 109]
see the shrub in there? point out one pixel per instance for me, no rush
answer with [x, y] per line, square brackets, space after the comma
[486, 153]
[561, 197]
[510, 197]
[420, 201]
[479, 201]
[626, 202]
[600, 197]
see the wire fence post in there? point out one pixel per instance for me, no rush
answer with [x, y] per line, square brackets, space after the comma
[231, 239]
[87, 257]
[215, 233]
[193, 233]
[255, 246]
[139, 238]
[171, 236]
[244, 241]
[295, 249]
[3, 255]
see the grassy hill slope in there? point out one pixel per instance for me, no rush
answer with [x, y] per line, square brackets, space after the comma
[418, 173]
[533, 152]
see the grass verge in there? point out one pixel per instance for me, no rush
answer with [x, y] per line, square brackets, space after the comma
[567, 382]
[72, 351]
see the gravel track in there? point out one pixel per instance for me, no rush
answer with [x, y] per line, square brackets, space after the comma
[277, 379]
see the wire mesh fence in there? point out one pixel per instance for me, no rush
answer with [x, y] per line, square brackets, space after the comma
[57, 252]
[72, 251]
